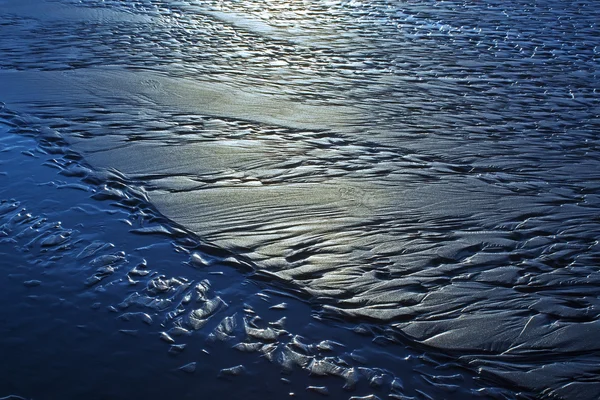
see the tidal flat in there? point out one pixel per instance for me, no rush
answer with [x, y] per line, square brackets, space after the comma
[292, 199]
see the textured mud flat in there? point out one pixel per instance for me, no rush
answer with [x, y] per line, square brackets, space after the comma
[105, 298]
[431, 170]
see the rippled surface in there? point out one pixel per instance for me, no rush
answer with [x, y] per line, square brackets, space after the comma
[427, 172]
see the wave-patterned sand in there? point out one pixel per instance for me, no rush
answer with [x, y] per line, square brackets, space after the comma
[435, 178]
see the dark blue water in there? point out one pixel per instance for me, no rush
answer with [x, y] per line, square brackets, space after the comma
[299, 199]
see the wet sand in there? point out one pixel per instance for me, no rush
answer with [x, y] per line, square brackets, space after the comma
[431, 200]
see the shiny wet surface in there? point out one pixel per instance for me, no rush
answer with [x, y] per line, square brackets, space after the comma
[423, 172]
[104, 299]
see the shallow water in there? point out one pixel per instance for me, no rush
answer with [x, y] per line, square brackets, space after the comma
[417, 182]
